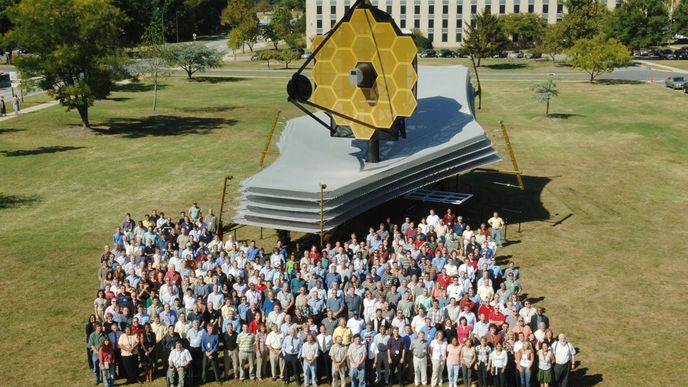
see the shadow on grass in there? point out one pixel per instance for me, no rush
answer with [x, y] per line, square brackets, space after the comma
[580, 377]
[211, 79]
[39, 151]
[136, 87]
[118, 99]
[618, 82]
[10, 201]
[207, 109]
[506, 66]
[162, 126]
[563, 116]
[10, 130]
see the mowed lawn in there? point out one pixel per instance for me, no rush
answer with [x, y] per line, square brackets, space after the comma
[611, 274]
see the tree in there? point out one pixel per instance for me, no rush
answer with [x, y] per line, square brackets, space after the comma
[240, 15]
[526, 29]
[268, 33]
[268, 55]
[679, 19]
[194, 57]
[598, 55]
[288, 56]
[6, 26]
[74, 45]
[235, 41]
[485, 37]
[286, 27]
[585, 20]
[154, 57]
[544, 92]
[422, 43]
[554, 40]
[639, 23]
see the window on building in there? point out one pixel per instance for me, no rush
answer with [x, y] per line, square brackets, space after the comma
[416, 23]
[431, 23]
[346, 8]
[459, 9]
[445, 9]
[474, 9]
[402, 23]
[458, 37]
[517, 8]
[488, 9]
[445, 23]
[389, 9]
[545, 8]
[445, 38]
[403, 10]
[431, 10]
[560, 8]
[531, 8]
[502, 9]
[318, 10]
[431, 36]
[333, 9]
[318, 23]
[416, 9]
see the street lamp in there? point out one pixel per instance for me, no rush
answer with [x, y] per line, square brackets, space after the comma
[322, 213]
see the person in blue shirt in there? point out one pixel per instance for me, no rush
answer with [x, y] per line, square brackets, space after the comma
[243, 308]
[291, 350]
[439, 262]
[269, 303]
[429, 331]
[332, 277]
[252, 252]
[118, 238]
[233, 320]
[368, 330]
[296, 284]
[209, 345]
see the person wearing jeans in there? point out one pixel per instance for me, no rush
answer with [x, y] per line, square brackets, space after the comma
[468, 359]
[106, 361]
[453, 362]
[483, 353]
[309, 354]
[95, 340]
[524, 364]
[357, 355]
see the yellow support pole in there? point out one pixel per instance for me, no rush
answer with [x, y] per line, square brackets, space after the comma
[517, 170]
[268, 139]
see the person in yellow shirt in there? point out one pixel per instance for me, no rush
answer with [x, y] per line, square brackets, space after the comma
[342, 331]
[496, 223]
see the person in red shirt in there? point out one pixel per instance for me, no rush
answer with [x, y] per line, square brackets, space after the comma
[485, 309]
[449, 218]
[255, 323]
[465, 301]
[106, 358]
[174, 276]
[495, 316]
[443, 279]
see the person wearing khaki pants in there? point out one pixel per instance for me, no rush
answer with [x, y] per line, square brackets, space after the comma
[231, 352]
[419, 348]
[338, 355]
[273, 342]
[246, 341]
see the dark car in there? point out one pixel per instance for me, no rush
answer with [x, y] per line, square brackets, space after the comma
[667, 54]
[445, 53]
[300, 51]
[681, 54]
[429, 53]
[458, 53]
[500, 55]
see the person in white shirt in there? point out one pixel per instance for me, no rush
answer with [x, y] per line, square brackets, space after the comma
[564, 360]
[527, 312]
[356, 324]
[438, 356]
[432, 219]
[309, 355]
[274, 344]
[179, 360]
[324, 342]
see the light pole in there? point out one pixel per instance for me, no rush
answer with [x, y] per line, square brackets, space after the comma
[176, 21]
[322, 213]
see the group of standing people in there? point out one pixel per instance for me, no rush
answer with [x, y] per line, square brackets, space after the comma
[404, 302]
[15, 106]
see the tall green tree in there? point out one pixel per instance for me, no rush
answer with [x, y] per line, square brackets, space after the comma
[598, 55]
[679, 19]
[6, 26]
[585, 20]
[544, 91]
[287, 27]
[155, 56]
[640, 23]
[484, 39]
[193, 58]
[241, 16]
[554, 40]
[73, 46]
[526, 29]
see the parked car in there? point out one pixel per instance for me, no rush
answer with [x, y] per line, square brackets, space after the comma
[298, 50]
[676, 83]
[667, 54]
[500, 55]
[445, 53]
[644, 51]
[458, 53]
[515, 55]
[429, 53]
[306, 55]
[681, 54]
[254, 57]
[534, 54]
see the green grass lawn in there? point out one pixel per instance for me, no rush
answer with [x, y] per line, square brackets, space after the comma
[679, 64]
[503, 65]
[611, 155]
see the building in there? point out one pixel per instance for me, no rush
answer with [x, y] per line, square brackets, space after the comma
[442, 21]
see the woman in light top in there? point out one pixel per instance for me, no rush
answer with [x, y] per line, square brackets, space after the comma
[468, 359]
[524, 363]
[453, 361]
[438, 354]
[497, 365]
[545, 361]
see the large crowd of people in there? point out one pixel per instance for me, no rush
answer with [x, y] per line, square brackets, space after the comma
[410, 303]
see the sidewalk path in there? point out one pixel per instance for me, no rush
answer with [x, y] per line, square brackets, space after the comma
[661, 66]
[35, 108]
